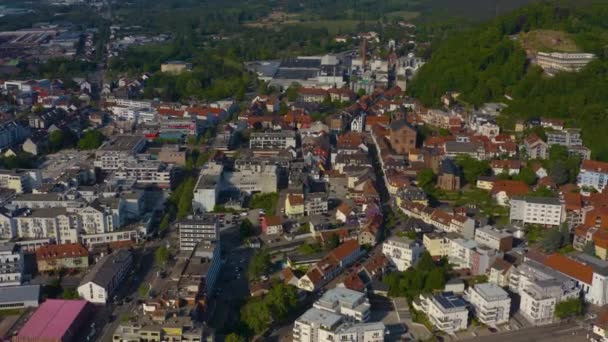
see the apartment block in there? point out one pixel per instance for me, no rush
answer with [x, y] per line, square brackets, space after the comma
[207, 188]
[494, 238]
[558, 61]
[446, 311]
[320, 325]
[402, 252]
[12, 265]
[467, 254]
[67, 256]
[540, 288]
[118, 151]
[198, 229]
[345, 302]
[20, 180]
[272, 140]
[593, 174]
[490, 302]
[537, 210]
[437, 244]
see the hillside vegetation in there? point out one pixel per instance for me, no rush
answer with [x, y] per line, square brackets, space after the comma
[485, 63]
[547, 41]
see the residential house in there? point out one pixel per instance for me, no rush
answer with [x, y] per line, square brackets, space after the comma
[535, 147]
[504, 190]
[272, 225]
[294, 205]
[102, 281]
[509, 167]
[66, 256]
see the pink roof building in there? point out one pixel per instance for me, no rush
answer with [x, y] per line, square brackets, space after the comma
[56, 320]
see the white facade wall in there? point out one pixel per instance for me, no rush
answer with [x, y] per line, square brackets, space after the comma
[537, 211]
[402, 252]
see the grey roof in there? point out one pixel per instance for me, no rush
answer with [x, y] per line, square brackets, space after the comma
[491, 292]
[39, 197]
[448, 300]
[464, 147]
[104, 271]
[19, 294]
[122, 143]
[321, 318]
[539, 200]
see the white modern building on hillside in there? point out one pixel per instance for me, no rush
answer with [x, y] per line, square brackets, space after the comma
[402, 252]
[491, 303]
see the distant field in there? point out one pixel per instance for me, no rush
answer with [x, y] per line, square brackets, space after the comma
[333, 26]
[348, 25]
[547, 41]
[403, 15]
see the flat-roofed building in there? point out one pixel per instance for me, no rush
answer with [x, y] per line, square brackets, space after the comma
[402, 252]
[446, 311]
[562, 61]
[345, 302]
[494, 238]
[272, 140]
[12, 265]
[19, 297]
[207, 188]
[320, 325]
[118, 151]
[540, 289]
[491, 303]
[537, 210]
[197, 229]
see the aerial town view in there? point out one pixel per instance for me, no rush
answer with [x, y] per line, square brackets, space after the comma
[303, 170]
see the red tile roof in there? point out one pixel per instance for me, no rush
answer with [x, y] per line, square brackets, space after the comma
[346, 249]
[574, 201]
[510, 187]
[354, 282]
[570, 267]
[295, 199]
[69, 250]
[273, 220]
[594, 165]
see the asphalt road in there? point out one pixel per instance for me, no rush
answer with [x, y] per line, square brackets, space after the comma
[570, 332]
[108, 317]
[232, 286]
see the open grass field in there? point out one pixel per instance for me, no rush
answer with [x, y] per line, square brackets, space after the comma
[333, 26]
[403, 15]
[547, 41]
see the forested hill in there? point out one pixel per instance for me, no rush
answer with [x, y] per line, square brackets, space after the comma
[488, 62]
